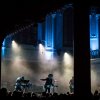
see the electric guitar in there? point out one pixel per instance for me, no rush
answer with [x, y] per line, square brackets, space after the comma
[49, 86]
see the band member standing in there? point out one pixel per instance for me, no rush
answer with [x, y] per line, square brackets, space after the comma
[71, 86]
[49, 83]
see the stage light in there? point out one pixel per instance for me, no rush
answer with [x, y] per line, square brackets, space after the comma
[15, 47]
[41, 49]
[14, 44]
[67, 59]
[94, 44]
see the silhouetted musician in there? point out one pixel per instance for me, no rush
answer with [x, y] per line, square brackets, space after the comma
[48, 83]
[21, 84]
[71, 86]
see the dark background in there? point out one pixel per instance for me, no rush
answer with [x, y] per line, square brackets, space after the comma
[18, 13]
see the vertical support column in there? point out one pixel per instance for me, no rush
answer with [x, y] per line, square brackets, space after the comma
[48, 32]
[94, 37]
[97, 30]
[1, 40]
[40, 31]
[0, 62]
[53, 29]
[59, 31]
[81, 51]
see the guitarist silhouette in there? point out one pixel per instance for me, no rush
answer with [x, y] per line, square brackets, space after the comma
[49, 83]
[71, 86]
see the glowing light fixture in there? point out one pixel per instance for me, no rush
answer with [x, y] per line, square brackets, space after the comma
[14, 44]
[15, 47]
[41, 49]
[94, 44]
[67, 59]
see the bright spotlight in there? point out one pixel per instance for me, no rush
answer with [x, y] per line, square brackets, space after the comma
[14, 44]
[15, 47]
[41, 49]
[67, 59]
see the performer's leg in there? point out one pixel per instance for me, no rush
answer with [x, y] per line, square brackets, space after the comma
[48, 90]
[71, 90]
[45, 90]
